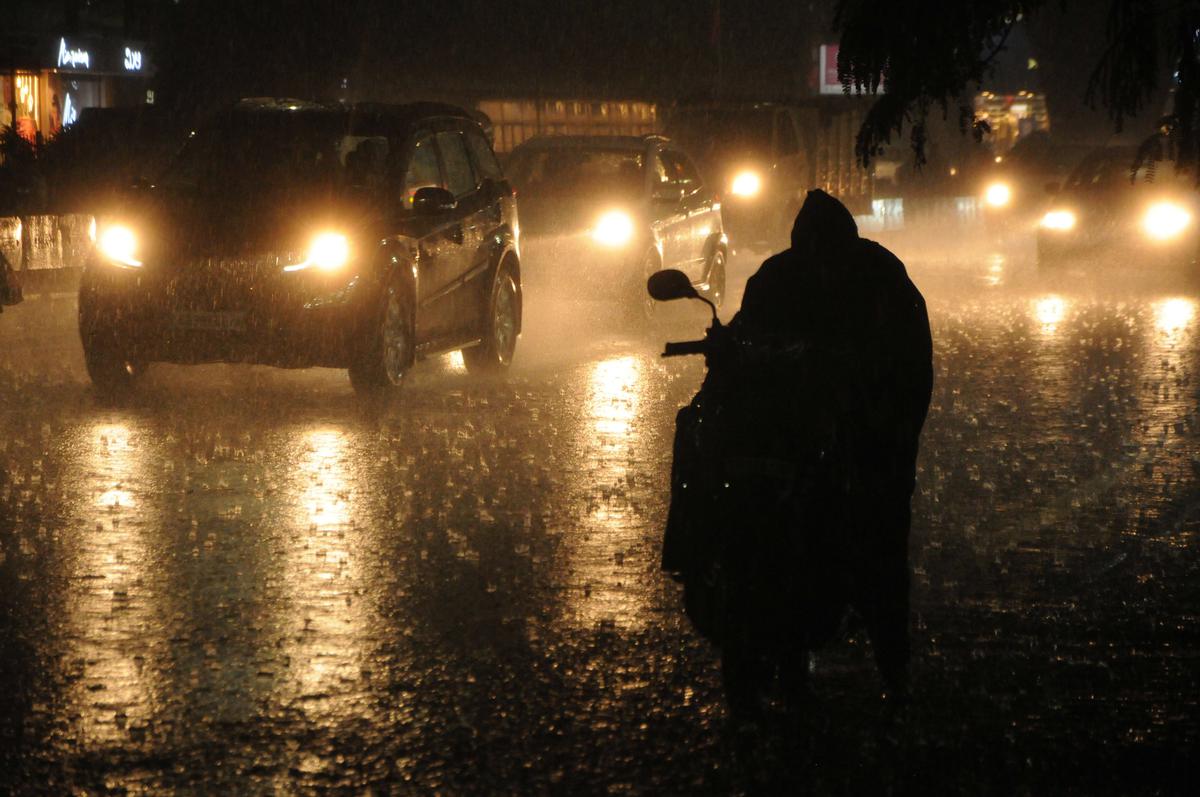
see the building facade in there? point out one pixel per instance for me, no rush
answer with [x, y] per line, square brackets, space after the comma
[61, 57]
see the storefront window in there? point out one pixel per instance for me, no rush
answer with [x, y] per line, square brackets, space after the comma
[1011, 117]
[27, 102]
[69, 95]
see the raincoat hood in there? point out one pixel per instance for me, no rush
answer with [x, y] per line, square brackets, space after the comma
[823, 224]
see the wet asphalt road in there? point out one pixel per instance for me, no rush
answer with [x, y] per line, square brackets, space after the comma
[247, 582]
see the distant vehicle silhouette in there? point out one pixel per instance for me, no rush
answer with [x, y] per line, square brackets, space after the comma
[1148, 218]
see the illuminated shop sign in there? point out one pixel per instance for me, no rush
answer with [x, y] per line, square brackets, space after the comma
[69, 113]
[98, 56]
[73, 57]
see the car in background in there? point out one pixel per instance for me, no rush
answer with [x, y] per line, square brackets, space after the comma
[1012, 188]
[753, 154]
[1107, 210]
[608, 211]
[301, 234]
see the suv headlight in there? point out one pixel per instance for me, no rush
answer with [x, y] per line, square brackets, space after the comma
[328, 251]
[119, 244]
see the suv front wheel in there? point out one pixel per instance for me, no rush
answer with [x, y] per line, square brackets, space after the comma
[502, 324]
[386, 351]
[114, 371]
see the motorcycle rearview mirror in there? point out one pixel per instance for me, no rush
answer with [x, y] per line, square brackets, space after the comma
[670, 284]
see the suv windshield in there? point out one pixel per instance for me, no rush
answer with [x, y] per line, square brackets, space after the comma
[586, 172]
[269, 152]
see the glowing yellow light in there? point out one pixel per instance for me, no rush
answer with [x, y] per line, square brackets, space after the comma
[1061, 220]
[614, 228]
[746, 184]
[329, 251]
[999, 159]
[1174, 315]
[953, 171]
[998, 195]
[1165, 220]
[1050, 310]
[118, 243]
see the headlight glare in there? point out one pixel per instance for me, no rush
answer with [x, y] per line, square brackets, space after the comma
[746, 184]
[1165, 220]
[1060, 220]
[119, 244]
[328, 251]
[998, 195]
[614, 228]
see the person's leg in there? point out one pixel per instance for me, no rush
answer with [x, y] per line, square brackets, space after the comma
[882, 594]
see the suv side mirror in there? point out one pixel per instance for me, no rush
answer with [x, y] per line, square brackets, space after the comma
[666, 194]
[432, 199]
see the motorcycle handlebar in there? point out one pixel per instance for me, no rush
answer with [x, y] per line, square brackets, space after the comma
[685, 347]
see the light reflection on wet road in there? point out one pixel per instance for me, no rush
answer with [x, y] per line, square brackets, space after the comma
[248, 582]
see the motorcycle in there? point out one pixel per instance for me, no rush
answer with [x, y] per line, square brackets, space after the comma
[751, 530]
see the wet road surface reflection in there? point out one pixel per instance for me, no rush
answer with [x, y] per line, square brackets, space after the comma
[111, 693]
[245, 581]
[605, 588]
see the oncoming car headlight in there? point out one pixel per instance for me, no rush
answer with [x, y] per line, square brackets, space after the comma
[328, 251]
[998, 195]
[1165, 220]
[746, 184]
[1060, 220]
[614, 228]
[119, 244]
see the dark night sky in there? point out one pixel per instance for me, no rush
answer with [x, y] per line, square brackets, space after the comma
[210, 51]
[649, 48]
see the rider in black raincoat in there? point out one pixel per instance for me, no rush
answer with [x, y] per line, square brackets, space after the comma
[849, 304]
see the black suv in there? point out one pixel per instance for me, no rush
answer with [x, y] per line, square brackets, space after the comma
[299, 234]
